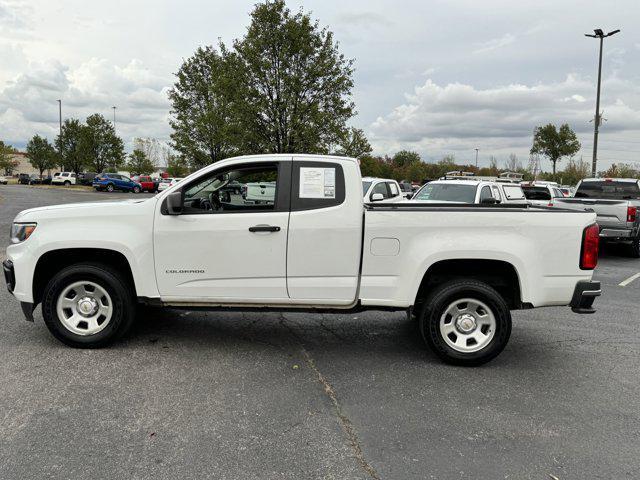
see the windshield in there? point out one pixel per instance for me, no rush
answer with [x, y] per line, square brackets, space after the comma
[447, 192]
[608, 190]
[365, 187]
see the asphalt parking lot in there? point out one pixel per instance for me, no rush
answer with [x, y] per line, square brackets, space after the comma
[292, 396]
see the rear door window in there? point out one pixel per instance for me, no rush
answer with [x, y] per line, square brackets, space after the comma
[513, 192]
[381, 188]
[536, 193]
[608, 190]
[393, 188]
[485, 193]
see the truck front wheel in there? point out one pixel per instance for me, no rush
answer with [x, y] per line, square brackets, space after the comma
[465, 322]
[88, 305]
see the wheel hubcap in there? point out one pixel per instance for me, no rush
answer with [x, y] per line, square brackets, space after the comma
[467, 325]
[84, 308]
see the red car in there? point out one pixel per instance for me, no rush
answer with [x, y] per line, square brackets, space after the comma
[148, 183]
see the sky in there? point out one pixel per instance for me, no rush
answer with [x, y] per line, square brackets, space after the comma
[438, 77]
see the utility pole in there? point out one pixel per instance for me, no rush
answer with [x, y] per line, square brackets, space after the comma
[598, 33]
[477, 157]
[114, 119]
[60, 135]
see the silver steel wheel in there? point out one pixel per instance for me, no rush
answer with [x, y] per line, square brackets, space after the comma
[467, 325]
[84, 308]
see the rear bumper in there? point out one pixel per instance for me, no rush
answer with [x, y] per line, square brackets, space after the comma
[584, 294]
[616, 233]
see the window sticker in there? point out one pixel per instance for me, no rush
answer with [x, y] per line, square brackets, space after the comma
[317, 182]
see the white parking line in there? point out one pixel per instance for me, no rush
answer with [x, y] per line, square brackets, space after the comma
[626, 282]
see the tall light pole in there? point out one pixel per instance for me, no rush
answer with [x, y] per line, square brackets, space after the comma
[598, 33]
[114, 119]
[477, 157]
[60, 124]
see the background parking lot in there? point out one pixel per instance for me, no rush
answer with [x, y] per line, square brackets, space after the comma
[232, 395]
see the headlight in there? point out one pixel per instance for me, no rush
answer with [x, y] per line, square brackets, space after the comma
[21, 231]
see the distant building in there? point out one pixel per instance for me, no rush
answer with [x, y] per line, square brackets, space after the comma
[23, 165]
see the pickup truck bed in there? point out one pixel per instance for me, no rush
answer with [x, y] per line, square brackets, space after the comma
[310, 244]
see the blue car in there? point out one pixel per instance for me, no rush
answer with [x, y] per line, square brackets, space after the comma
[115, 181]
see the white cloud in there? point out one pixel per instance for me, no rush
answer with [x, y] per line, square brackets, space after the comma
[495, 43]
[459, 117]
[28, 102]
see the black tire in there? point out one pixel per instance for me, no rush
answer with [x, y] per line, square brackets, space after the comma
[634, 247]
[110, 187]
[441, 298]
[136, 189]
[122, 301]
[67, 183]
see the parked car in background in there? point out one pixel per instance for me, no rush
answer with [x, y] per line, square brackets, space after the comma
[616, 202]
[260, 192]
[114, 181]
[407, 188]
[167, 182]
[34, 179]
[86, 178]
[23, 178]
[64, 178]
[382, 190]
[470, 190]
[541, 193]
[4, 180]
[148, 184]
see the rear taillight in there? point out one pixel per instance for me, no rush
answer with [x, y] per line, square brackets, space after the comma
[631, 214]
[590, 244]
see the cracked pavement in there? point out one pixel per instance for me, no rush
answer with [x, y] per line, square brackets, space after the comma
[266, 395]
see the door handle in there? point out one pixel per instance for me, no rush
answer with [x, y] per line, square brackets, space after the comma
[264, 228]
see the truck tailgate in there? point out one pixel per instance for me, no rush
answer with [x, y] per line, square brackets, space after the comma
[610, 213]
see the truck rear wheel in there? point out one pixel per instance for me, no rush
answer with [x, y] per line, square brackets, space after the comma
[465, 322]
[88, 305]
[635, 248]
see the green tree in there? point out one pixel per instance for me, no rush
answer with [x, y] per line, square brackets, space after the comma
[622, 170]
[404, 158]
[100, 144]
[354, 144]
[41, 154]
[177, 166]
[7, 164]
[139, 163]
[555, 143]
[70, 144]
[203, 115]
[294, 88]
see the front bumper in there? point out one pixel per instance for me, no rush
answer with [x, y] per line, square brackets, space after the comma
[584, 294]
[9, 275]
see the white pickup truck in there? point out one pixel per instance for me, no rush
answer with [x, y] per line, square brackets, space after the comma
[314, 245]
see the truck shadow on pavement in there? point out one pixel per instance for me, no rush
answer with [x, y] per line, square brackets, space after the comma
[383, 333]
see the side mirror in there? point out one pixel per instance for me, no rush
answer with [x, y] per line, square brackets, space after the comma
[376, 197]
[489, 201]
[409, 196]
[174, 203]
